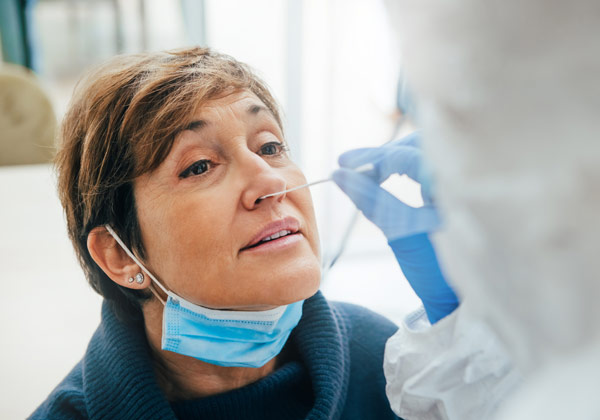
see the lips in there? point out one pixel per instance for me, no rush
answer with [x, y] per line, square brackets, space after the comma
[273, 231]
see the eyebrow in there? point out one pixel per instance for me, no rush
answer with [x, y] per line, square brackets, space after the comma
[255, 109]
[198, 125]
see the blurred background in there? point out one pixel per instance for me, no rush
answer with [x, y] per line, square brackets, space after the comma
[333, 68]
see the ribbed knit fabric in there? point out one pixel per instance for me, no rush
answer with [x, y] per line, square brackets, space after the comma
[337, 374]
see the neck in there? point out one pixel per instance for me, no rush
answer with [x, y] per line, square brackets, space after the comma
[183, 377]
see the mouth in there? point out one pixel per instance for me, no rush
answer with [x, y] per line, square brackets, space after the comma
[279, 232]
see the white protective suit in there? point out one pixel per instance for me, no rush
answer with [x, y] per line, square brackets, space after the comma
[509, 102]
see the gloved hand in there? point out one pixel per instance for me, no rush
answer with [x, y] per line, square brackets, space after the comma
[406, 228]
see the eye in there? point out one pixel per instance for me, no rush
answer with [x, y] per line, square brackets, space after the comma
[196, 168]
[272, 148]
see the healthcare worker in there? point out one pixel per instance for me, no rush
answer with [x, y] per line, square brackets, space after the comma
[425, 369]
[509, 96]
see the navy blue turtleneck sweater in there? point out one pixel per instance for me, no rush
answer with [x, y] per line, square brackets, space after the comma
[334, 372]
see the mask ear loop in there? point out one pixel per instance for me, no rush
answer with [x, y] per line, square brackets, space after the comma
[138, 262]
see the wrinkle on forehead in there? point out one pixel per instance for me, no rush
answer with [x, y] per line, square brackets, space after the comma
[235, 102]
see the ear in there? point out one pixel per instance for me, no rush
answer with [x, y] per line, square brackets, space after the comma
[113, 260]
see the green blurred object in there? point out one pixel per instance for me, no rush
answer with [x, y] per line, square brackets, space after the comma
[16, 45]
[27, 120]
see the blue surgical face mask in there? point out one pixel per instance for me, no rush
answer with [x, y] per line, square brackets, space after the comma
[224, 338]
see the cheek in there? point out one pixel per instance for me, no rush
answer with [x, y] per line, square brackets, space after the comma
[186, 241]
[201, 231]
[307, 209]
[303, 200]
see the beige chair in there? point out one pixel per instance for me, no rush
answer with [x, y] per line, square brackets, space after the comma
[27, 121]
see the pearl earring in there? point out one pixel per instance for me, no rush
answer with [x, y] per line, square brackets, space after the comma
[139, 278]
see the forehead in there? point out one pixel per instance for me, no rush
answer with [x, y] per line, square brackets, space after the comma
[225, 114]
[240, 103]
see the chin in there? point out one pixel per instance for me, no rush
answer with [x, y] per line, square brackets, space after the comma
[301, 284]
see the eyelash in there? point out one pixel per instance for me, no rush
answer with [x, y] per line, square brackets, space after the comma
[282, 148]
[198, 164]
[206, 164]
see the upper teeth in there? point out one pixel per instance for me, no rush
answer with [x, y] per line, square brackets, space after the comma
[276, 235]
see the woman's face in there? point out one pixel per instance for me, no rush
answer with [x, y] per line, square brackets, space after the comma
[201, 217]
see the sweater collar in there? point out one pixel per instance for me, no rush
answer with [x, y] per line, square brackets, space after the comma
[118, 376]
[322, 342]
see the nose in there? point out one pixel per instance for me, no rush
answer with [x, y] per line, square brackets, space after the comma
[262, 179]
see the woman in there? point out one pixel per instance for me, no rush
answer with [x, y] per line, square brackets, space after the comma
[211, 306]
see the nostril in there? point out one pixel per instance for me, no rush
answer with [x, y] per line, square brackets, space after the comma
[258, 200]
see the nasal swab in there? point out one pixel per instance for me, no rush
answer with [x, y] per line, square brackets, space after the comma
[361, 169]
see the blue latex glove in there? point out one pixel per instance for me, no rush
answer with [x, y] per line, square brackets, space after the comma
[406, 228]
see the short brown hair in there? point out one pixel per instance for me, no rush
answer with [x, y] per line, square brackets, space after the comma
[121, 123]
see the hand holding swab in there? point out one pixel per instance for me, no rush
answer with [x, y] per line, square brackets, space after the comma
[364, 168]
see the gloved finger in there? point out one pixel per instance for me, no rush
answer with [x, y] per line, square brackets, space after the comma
[393, 217]
[357, 157]
[399, 160]
[385, 160]
[413, 139]
[400, 221]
